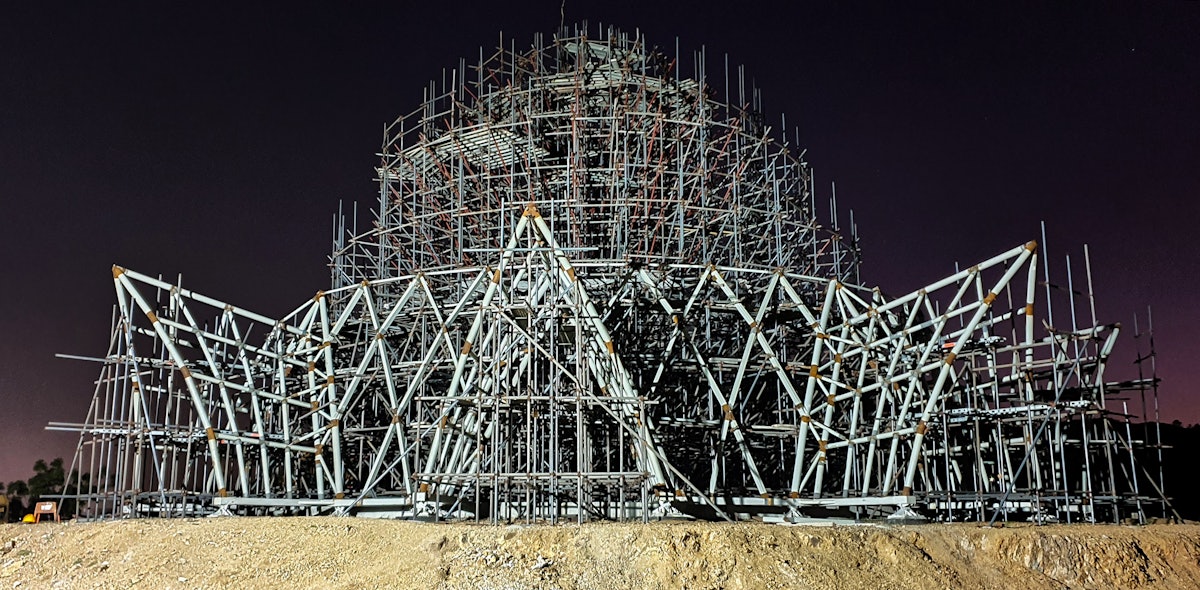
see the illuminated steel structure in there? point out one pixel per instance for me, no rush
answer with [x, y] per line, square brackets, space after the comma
[594, 287]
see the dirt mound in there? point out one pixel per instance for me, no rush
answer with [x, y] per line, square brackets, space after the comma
[358, 553]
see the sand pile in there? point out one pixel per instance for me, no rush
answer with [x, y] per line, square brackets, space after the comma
[357, 553]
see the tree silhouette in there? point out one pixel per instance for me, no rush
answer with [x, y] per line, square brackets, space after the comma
[17, 493]
[49, 481]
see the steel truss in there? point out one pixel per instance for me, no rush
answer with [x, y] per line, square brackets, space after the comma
[592, 290]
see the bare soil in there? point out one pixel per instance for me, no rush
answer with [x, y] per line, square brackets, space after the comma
[349, 553]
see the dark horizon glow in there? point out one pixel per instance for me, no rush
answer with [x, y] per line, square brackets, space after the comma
[218, 143]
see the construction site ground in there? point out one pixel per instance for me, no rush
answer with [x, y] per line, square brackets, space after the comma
[330, 552]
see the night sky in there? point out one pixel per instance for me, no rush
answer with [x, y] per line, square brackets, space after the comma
[218, 145]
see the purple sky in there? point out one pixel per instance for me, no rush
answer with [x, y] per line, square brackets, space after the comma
[218, 144]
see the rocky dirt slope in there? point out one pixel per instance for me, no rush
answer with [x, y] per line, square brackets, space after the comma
[357, 553]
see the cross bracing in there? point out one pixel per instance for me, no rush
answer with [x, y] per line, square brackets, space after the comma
[592, 289]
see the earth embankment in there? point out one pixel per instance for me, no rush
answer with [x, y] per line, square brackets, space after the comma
[358, 553]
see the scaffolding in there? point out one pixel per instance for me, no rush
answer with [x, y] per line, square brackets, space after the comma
[596, 288]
